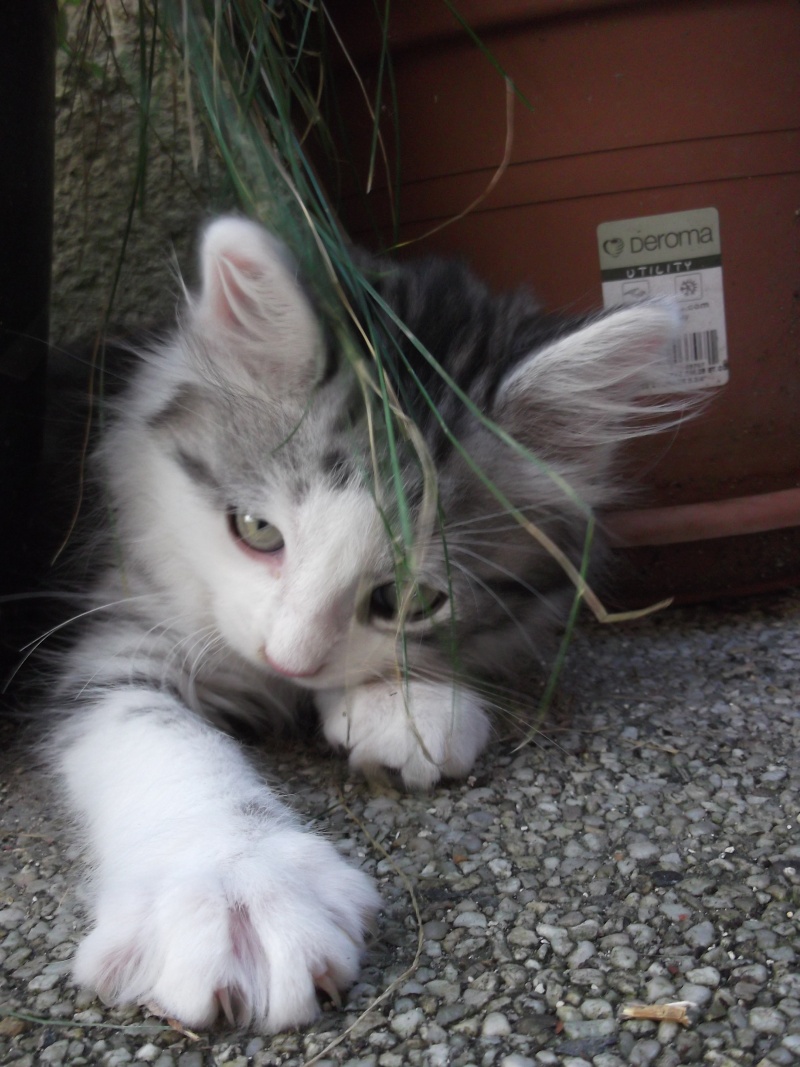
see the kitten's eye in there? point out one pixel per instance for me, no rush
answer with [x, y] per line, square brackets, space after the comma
[257, 533]
[385, 602]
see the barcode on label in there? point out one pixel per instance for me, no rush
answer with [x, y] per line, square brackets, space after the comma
[694, 348]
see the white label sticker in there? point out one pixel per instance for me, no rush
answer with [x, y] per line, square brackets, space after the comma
[677, 256]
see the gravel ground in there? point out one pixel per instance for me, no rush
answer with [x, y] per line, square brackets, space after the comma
[648, 853]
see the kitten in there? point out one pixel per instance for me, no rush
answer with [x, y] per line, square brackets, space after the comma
[250, 560]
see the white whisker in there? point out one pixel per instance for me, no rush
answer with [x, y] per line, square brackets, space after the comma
[32, 647]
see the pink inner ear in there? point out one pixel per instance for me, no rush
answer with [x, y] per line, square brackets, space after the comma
[232, 304]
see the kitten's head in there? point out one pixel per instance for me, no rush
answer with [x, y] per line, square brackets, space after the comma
[253, 498]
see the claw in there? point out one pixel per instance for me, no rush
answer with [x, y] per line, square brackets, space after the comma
[175, 1024]
[224, 998]
[328, 986]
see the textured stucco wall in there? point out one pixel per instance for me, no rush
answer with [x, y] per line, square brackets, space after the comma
[97, 144]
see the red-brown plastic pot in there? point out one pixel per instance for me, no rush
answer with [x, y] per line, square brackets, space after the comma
[637, 109]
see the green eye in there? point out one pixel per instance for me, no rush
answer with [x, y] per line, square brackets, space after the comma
[386, 600]
[256, 532]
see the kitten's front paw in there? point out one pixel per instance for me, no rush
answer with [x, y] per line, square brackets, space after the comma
[252, 932]
[425, 731]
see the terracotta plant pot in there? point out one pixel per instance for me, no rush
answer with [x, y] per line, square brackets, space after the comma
[637, 110]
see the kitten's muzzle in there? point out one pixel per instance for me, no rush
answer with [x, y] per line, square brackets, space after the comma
[291, 672]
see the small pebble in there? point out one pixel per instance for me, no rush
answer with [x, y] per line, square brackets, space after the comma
[556, 936]
[644, 1053]
[437, 1055]
[148, 1053]
[596, 1008]
[701, 935]
[495, 1025]
[435, 930]
[766, 1021]
[642, 849]
[707, 976]
[699, 995]
[623, 957]
[582, 952]
[470, 919]
[406, 1023]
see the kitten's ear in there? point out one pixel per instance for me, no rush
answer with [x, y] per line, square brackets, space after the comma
[579, 393]
[251, 301]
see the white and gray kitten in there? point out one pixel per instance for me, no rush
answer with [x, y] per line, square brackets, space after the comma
[250, 561]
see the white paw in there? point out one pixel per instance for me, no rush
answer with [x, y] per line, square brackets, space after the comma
[425, 731]
[251, 929]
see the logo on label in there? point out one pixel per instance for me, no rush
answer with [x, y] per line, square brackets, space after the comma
[633, 291]
[689, 287]
[614, 246]
[655, 242]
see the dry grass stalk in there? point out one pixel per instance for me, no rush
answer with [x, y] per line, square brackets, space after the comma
[676, 1012]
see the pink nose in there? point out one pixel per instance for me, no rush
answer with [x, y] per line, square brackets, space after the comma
[291, 672]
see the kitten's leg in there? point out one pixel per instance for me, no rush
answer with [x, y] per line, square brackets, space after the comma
[424, 730]
[208, 892]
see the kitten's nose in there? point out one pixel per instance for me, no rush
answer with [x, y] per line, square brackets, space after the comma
[291, 672]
